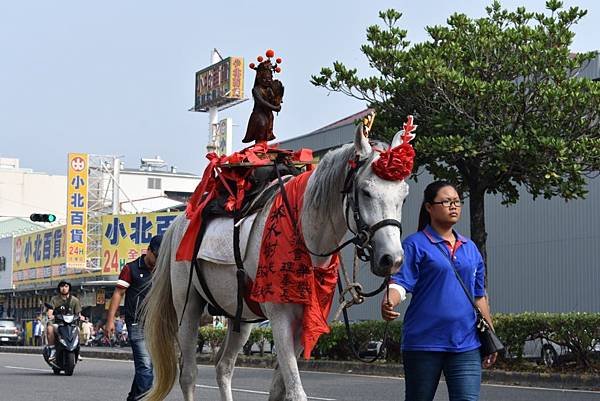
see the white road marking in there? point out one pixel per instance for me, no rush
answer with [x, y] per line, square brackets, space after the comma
[564, 390]
[239, 390]
[21, 368]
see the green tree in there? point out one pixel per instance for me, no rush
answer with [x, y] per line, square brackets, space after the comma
[498, 101]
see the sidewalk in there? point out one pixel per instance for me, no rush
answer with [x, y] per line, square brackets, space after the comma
[549, 380]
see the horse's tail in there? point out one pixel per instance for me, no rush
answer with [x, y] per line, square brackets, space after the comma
[160, 323]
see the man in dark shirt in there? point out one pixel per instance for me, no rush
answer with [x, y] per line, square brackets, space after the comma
[134, 284]
[63, 302]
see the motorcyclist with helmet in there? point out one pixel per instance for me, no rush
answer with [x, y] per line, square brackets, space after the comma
[63, 301]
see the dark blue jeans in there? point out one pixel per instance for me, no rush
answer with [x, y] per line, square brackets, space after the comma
[462, 371]
[142, 381]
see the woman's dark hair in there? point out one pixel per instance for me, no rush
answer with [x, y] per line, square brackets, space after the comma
[429, 196]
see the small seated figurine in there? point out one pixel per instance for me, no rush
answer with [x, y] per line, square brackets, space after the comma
[268, 95]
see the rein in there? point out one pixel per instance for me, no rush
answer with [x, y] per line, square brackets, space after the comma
[344, 308]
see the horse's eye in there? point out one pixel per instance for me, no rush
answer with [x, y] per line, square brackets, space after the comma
[366, 193]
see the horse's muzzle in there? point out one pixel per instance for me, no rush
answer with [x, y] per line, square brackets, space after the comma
[388, 265]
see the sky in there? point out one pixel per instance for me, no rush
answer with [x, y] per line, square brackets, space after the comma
[117, 77]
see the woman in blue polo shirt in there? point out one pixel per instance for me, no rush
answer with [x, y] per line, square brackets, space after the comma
[439, 326]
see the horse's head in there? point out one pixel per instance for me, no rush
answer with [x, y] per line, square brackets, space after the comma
[373, 205]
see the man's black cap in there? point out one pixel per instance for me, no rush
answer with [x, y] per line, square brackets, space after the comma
[155, 244]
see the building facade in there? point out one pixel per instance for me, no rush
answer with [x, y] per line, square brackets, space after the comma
[23, 191]
[33, 256]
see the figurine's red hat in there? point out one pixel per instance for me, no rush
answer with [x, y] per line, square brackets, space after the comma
[267, 63]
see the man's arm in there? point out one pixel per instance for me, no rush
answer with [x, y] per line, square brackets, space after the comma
[115, 301]
[77, 307]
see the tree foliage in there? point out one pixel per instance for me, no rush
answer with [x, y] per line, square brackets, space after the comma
[499, 101]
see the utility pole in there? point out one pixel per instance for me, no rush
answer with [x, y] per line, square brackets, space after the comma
[213, 111]
[116, 203]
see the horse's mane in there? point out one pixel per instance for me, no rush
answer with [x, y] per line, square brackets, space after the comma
[328, 178]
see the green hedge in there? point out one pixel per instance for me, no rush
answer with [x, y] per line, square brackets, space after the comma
[214, 337]
[579, 332]
[335, 345]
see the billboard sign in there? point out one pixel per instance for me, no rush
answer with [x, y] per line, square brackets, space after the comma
[126, 237]
[39, 249]
[220, 84]
[77, 210]
[39, 256]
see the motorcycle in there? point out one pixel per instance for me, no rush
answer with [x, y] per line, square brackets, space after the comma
[66, 342]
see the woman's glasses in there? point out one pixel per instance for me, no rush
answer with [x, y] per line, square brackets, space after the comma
[449, 203]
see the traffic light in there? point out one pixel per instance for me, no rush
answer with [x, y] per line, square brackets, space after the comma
[44, 218]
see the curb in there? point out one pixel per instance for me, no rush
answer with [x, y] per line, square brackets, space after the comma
[528, 379]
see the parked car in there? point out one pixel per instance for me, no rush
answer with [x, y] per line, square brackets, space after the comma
[551, 354]
[548, 352]
[9, 332]
[545, 351]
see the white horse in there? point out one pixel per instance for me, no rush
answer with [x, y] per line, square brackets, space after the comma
[325, 219]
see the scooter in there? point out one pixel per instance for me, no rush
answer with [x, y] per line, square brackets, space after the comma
[67, 342]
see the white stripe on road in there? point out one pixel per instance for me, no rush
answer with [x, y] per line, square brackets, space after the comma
[239, 390]
[562, 390]
[21, 368]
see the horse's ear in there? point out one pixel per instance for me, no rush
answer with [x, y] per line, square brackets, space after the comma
[397, 141]
[361, 142]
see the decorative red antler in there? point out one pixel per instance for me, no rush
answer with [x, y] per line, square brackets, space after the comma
[408, 128]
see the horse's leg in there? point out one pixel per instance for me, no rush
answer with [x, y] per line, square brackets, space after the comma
[277, 391]
[286, 321]
[188, 338]
[227, 355]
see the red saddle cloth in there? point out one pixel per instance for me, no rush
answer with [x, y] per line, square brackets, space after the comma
[285, 272]
[219, 171]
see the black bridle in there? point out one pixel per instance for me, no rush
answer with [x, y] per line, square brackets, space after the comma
[363, 237]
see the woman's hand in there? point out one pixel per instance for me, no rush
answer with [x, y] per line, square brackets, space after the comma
[392, 298]
[489, 360]
[387, 311]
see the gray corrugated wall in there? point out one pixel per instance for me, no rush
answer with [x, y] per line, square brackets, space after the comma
[543, 255]
[6, 250]
[328, 139]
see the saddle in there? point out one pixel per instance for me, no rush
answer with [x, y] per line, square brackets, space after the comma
[217, 246]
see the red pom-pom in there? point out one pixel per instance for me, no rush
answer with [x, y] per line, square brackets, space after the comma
[278, 60]
[270, 53]
[252, 66]
[395, 164]
[259, 59]
[277, 69]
